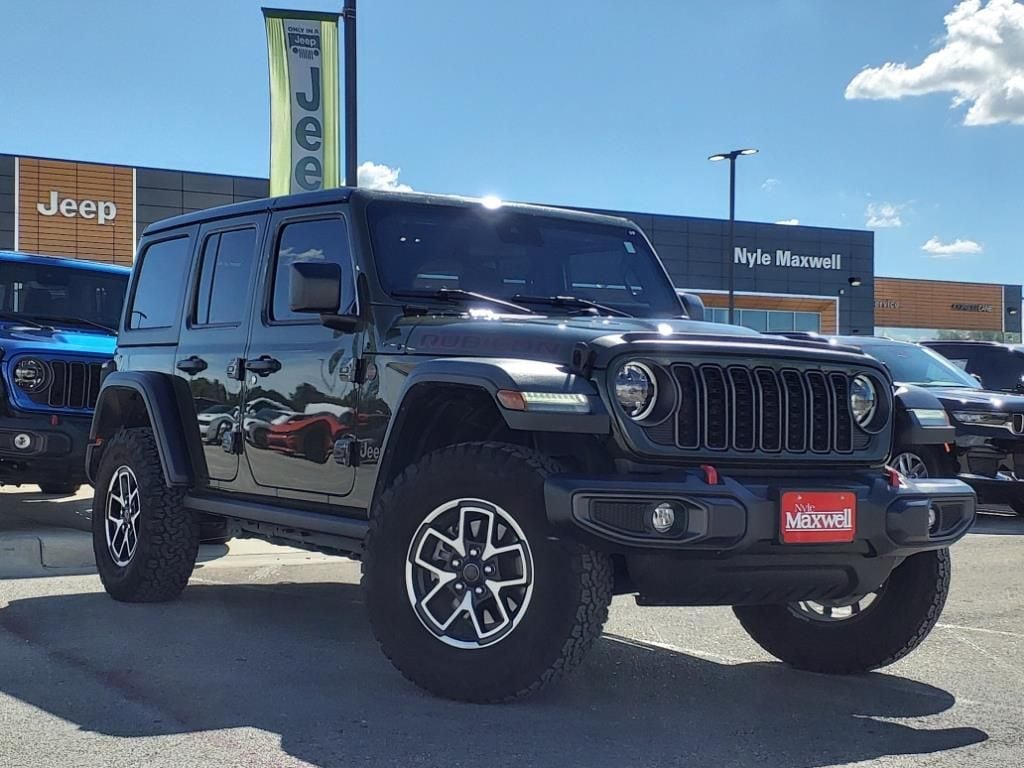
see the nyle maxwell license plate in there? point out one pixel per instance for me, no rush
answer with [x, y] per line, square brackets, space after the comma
[817, 517]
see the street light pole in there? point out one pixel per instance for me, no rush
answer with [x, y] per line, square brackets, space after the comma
[351, 150]
[730, 256]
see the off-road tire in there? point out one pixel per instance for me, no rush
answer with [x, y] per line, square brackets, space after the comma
[168, 540]
[906, 609]
[58, 488]
[572, 584]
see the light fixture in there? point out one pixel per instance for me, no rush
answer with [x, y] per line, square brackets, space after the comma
[663, 517]
[854, 282]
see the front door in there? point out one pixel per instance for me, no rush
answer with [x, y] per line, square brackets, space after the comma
[300, 389]
[213, 336]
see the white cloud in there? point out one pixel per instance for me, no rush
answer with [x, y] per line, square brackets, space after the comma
[790, 222]
[883, 215]
[980, 61]
[770, 185]
[379, 176]
[940, 250]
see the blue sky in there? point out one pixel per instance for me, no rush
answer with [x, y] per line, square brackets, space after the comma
[588, 102]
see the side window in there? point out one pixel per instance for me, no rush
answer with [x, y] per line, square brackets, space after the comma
[223, 293]
[162, 269]
[990, 365]
[310, 240]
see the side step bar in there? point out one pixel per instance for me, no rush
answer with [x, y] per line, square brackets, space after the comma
[312, 530]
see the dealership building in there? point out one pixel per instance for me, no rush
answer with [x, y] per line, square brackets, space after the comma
[786, 278]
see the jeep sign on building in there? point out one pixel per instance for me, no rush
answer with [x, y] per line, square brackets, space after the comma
[788, 278]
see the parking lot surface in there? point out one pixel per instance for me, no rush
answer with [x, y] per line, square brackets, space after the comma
[268, 660]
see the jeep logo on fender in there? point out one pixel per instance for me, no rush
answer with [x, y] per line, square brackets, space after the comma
[101, 210]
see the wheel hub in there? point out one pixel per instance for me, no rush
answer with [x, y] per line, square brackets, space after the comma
[469, 573]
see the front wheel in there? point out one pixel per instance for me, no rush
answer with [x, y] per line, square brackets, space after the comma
[144, 539]
[468, 593]
[860, 633]
[60, 488]
[919, 462]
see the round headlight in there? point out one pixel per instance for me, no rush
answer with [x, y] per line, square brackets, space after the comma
[863, 399]
[32, 375]
[636, 390]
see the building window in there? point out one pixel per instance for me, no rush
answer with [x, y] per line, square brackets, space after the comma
[768, 320]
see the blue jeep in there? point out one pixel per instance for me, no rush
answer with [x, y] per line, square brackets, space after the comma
[58, 321]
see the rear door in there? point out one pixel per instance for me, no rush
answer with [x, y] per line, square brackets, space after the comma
[300, 390]
[213, 336]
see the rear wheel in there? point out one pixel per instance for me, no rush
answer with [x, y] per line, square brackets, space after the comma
[468, 593]
[144, 539]
[860, 633]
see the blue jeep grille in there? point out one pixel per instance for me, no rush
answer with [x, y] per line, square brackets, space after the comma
[74, 384]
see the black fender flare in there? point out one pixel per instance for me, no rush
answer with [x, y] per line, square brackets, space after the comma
[492, 375]
[908, 430]
[165, 398]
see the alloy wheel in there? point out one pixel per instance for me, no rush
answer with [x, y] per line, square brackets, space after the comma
[124, 506]
[469, 573]
[830, 611]
[910, 465]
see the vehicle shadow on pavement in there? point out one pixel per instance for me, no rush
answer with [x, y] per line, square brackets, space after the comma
[299, 660]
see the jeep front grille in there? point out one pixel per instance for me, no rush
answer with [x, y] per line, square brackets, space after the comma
[738, 408]
[73, 385]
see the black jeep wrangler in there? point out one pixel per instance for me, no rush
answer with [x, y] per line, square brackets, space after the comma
[506, 412]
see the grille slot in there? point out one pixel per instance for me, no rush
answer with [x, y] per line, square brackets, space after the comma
[743, 409]
[75, 384]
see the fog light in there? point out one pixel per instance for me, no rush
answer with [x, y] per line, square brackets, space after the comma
[663, 518]
[22, 441]
[933, 519]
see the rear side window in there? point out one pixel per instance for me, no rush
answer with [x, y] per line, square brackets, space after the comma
[311, 240]
[162, 269]
[223, 293]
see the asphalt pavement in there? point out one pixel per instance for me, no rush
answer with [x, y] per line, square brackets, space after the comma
[268, 660]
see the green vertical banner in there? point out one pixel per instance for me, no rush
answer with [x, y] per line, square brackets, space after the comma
[303, 51]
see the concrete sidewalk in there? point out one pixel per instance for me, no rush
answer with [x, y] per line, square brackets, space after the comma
[50, 536]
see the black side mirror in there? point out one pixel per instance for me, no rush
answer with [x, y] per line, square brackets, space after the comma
[976, 376]
[693, 305]
[315, 287]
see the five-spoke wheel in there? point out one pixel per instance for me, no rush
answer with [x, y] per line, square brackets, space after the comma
[122, 519]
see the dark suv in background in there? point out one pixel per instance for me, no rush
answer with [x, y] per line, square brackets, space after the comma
[507, 414]
[999, 367]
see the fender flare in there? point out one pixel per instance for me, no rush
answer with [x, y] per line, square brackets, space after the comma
[162, 395]
[492, 375]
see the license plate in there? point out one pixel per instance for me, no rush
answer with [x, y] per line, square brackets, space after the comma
[815, 517]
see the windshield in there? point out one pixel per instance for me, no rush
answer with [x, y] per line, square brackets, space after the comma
[911, 364]
[524, 258]
[55, 295]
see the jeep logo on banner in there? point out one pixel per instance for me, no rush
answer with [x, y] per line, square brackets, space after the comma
[303, 50]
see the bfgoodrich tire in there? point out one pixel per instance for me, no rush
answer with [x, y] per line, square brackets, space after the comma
[846, 637]
[144, 540]
[468, 594]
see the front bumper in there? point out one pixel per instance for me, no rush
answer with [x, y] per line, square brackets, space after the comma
[726, 546]
[56, 449]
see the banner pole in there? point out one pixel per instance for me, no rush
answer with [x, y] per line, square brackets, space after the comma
[351, 134]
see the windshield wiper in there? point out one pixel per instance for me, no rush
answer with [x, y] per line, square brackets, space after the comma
[571, 301]
[17, 317]
[458, 294]
[67, 319]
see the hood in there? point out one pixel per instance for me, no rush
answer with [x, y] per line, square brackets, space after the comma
[976, 399]
[539, 337]
[16, 338]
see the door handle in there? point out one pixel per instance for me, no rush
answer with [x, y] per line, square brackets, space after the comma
[263, 365]
[191, 365]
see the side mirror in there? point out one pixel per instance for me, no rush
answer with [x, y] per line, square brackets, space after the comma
[976, 376]
[315, 287]
[693, 305]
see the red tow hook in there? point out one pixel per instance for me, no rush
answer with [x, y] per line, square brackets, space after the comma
[895, 478]
[710, 474]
